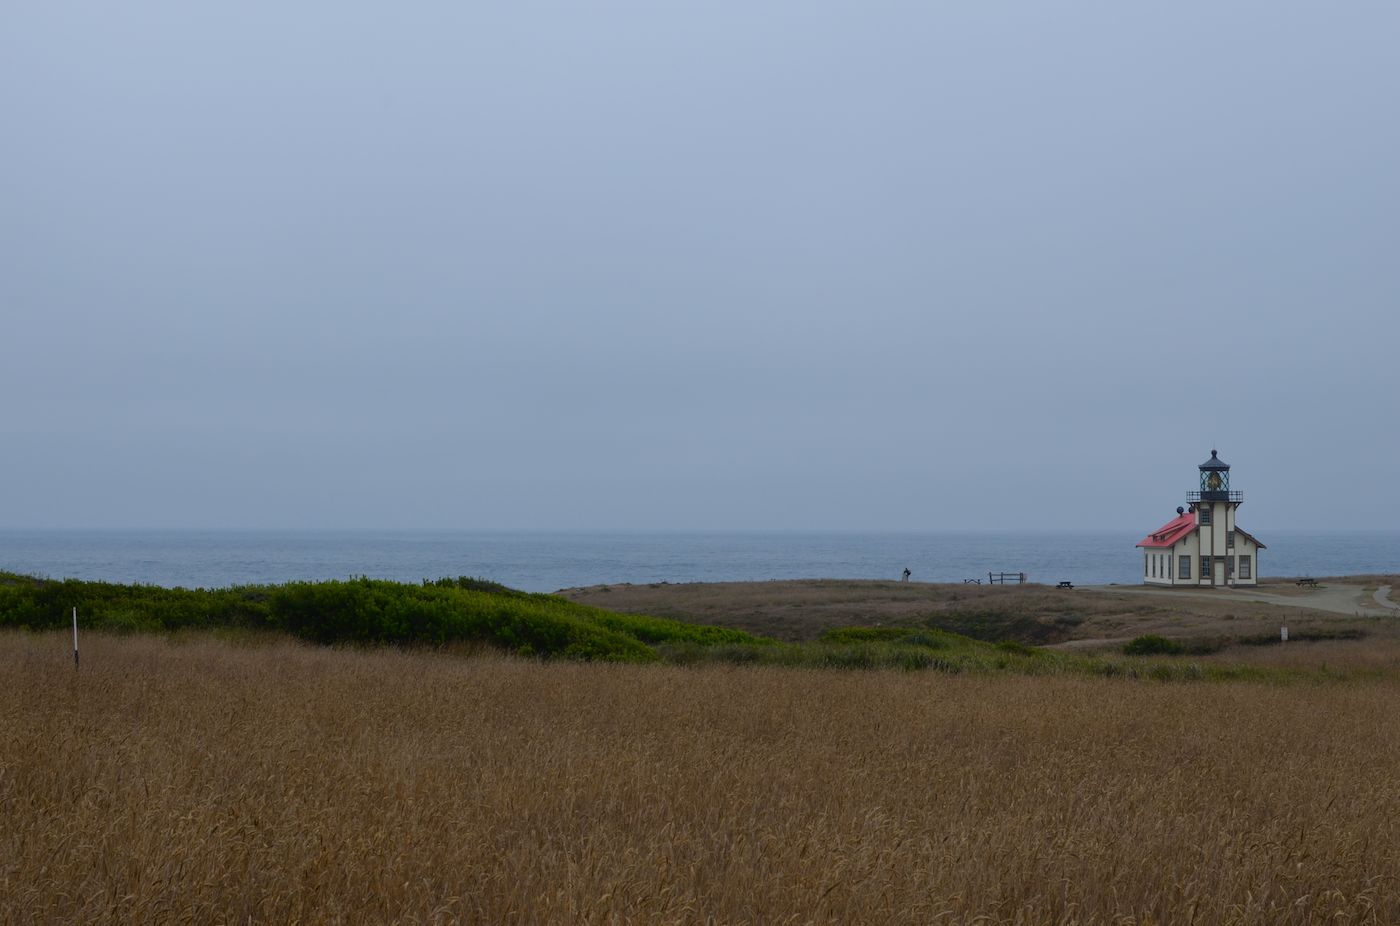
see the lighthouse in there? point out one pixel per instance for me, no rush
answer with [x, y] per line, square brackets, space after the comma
[1203, 546]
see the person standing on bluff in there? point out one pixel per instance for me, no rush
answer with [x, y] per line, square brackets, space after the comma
[907, 574]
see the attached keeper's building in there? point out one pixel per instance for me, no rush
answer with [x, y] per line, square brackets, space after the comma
[1203, 546]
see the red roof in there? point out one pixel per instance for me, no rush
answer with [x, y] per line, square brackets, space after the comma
[1171, 532]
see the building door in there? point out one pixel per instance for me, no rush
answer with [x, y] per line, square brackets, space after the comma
[1219, 571]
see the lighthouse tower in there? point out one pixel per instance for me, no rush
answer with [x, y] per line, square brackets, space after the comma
[1203, 546]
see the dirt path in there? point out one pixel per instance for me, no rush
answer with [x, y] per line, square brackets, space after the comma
[1383, 601]
[1350, 600]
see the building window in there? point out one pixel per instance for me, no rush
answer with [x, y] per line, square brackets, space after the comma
[1205, 515]
[1244, 568]
[1146, 564]
[1186, 567]
[1205, 567]
[1230, 566]
[1229, 538]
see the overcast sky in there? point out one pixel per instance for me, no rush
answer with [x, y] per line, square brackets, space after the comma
[771, 266]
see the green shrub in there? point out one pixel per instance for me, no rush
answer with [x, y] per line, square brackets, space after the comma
[930, 639]
[376, 611]
[916, 660]
[363, 611]
[127, 621]
[1153, 645]
[844, 635]
[479, 585]
[656, 630]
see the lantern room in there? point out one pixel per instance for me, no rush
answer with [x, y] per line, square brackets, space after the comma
[1215, 482]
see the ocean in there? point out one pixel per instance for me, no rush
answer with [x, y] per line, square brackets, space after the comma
[546, 562]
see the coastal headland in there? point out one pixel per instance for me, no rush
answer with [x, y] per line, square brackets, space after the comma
[1088, 618]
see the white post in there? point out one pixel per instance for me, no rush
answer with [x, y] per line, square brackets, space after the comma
[75, 639]
[1283, 634]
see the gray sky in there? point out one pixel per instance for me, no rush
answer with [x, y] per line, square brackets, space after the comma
[697, 266]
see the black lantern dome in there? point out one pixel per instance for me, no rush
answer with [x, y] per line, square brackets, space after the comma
[1215, 463]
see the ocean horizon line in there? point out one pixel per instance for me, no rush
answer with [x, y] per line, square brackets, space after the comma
[645, 532]
[548, 561]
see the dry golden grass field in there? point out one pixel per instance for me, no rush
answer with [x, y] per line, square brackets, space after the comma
[189, 779]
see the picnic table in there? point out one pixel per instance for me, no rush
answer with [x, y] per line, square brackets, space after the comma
[1309, 582]
[1065, 585]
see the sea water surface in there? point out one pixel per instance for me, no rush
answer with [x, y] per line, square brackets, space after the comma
[545, 562]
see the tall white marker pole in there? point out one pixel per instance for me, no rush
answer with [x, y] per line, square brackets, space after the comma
[75, 639]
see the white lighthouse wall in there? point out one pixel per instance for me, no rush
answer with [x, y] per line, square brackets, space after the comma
[1162, 565]
[1245, 547]
[1156, 568]
[1166, 570]
[1190, 545]
[1213, 540]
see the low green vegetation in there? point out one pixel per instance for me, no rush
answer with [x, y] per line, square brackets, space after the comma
[951, 653]
[1153, 645]
[991, 624]
[362, 611]
[448, 611]
[865, 634]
